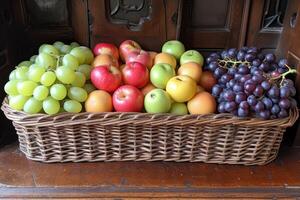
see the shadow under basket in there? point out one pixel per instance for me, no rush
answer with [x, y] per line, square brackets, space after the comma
[115, 136]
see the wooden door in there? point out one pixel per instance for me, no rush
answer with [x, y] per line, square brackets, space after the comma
[289, 47]
[265, 23]
[149, 22]
[210, 25]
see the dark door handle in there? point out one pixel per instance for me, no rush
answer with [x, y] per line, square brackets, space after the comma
[293, 20]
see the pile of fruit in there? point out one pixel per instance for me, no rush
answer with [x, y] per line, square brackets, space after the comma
[251, 83]
[53, 81]
[72, 78]
[149, 81]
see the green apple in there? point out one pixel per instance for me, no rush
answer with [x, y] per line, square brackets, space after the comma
[191, 56]
[157, 101]
[160, 74]
[173, 47]
[179, 109]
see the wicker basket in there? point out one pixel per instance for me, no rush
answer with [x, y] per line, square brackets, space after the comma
[214, 138]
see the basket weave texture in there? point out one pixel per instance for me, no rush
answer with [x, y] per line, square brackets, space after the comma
[114, 136]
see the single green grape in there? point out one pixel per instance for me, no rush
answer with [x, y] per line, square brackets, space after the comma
[41, 92]
[32, 58]
[33, 66]
[65, 74]
[32, 106]
[17, 102]
[86, 70]
[79, 80]
[58, 44]
[74, 44]
[12, 75]
[26, 88]
[70, 61]
[41, 48]
[77, 93]
[50, 49]
[11, 87]
[51, 106]
[72, 106]
[78, 52]
[48, 78]
[36, 73]
[65, 49]
[25, 63]
[58, 91]
[46, 60]
[22, 73]
[89, 87]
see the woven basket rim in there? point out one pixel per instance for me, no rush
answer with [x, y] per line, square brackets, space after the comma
[123, 118]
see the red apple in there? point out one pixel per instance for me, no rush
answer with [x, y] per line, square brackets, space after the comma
[106, 48]
[135, 74]
[128, 46]
[128, 98]
[106, 77]
[141, 56]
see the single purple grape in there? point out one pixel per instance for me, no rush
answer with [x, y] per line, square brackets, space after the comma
[219, 72]
[238, 88]
[216, 90]
[267, 102]
[249, 57]
[243, 69]
[244, 105]
[259, 91]
[265, 85]
[232, 71]
[213, 66]
[252, 100]
[288, 82]
[282, 62]
[273, 92]
[264, 67]
[249, 88]
[229, 95]
[232, 52]
[244, 78]
[284, 92]
[293, 103]
[258, 78]
[256, 62]
[241, 56]
[270, 57]
[283, 113]
[259, 106]
[265, 114]
[275, 100]
[221, 107]
[230, 106]
[284, 103]
[275, 109]
[240, 97]
[243, 112]
[244, 48]
[253, 50]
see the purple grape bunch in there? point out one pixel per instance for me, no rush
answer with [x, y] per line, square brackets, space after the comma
[251, 84]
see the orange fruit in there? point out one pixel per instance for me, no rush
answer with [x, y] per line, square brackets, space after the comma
[202, 103]
[191, 69]
[147, 88]
[165, 58]
[99, 101]
[207, 80]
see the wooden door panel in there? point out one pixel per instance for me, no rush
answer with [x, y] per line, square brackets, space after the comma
[145, 21]
[265, 23]
[212, 24]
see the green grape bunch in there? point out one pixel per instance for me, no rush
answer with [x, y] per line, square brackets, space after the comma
[55, 80]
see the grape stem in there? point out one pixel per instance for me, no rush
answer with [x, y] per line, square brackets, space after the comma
[234, 62]
[282, 76]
